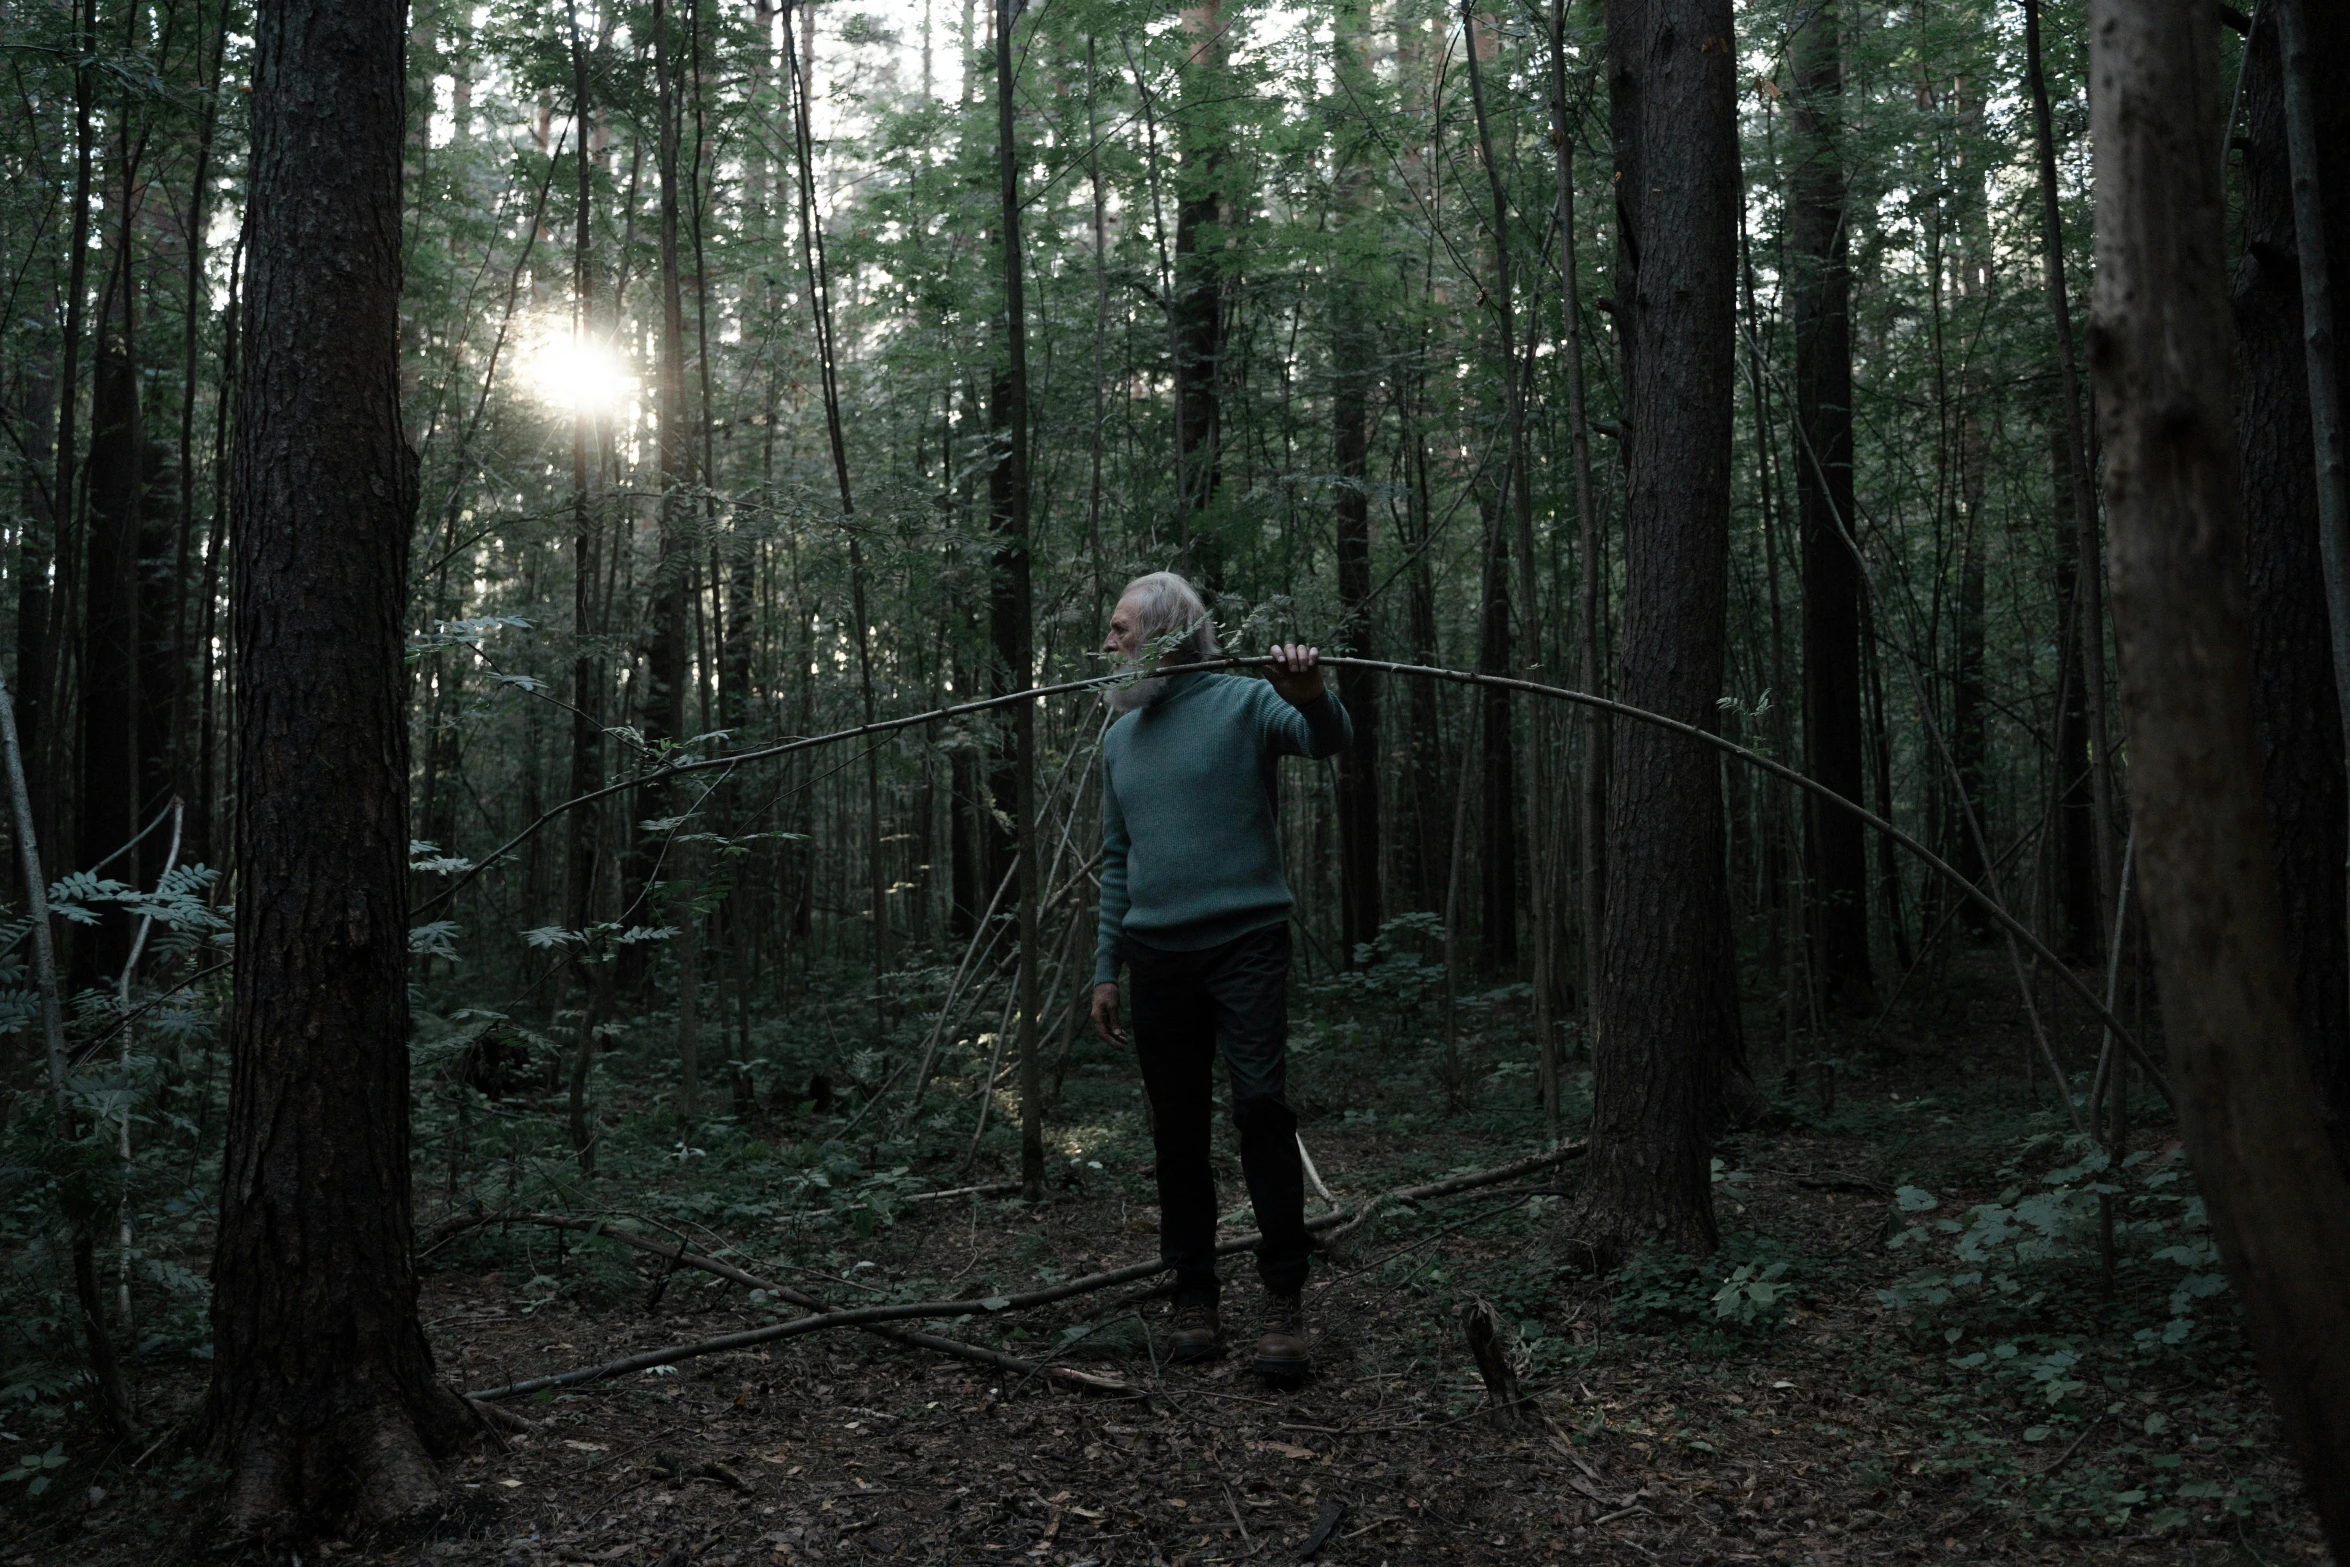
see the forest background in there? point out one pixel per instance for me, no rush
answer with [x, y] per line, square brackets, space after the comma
[721, 439]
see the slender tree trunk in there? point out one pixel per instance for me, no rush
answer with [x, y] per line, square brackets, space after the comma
[661, 717]
[1591, 780]
[1881, 742]
[35, 557]
[323, 1403]
[1198, 302]
[1819, 294]
[1101, 317]
[1353, 376]
[183, 653]
[587, 673]
[2162, 352]
[1514, 500]
[1497, 822]
[2089, 611]
[2075, 821]
[820, 304]
[1017, 567]
[1669, 1023]
[2295, 706]
[1970, 739]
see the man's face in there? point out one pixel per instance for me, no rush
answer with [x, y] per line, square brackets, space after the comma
[1125, 636]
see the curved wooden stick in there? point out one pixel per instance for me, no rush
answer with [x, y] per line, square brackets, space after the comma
[1779, 770]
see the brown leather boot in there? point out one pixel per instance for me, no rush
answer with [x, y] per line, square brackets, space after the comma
[1282, 1355]
[1196, 1335]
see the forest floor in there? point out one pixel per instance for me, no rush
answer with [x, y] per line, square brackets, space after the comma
[1906, 1349]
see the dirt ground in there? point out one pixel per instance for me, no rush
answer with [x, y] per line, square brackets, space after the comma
[1829, 1432]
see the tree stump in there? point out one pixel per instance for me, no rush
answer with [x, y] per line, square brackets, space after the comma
[1495, 1348]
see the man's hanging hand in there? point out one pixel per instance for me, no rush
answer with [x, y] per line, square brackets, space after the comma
[1105, 1014]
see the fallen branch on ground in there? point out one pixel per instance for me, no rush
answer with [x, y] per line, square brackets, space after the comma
[873, 1318]
[676, 1256]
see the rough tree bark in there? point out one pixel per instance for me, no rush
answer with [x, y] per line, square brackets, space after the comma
[1668, 1006]
[323, 1403]
[1819, 293]
[2294, 705]
[2160, 351]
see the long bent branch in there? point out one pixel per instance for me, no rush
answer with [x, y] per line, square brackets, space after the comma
[1973, 893]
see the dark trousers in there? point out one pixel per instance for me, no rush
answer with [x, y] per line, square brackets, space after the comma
[1188, 1008]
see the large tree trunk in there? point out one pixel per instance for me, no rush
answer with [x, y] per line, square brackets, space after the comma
[2278, 1198]
[107, 804]
[1668, 1004]
[2294, 705]
[323, 1403]
[1820, 289]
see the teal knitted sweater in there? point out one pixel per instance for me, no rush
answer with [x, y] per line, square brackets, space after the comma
[1190, 854]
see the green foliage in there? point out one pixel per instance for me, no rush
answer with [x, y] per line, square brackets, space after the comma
[34, 1470]
[1997, 1266]
[1735, 1299]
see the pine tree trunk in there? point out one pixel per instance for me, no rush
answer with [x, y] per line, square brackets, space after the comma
[1819, 293]
[1353, 376]
[1017, 591]
[2162, 350]
[1198, 304]
[2089, 589]
[106, 803]
[1668, 1005]
[2294, 704]
[323, 1403]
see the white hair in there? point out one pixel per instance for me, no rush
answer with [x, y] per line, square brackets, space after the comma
[1168, 604]
[1166, 607]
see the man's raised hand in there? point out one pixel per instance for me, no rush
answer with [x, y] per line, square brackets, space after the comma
[1296, 673]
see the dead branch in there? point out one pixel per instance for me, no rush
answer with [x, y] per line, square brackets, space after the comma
[676, 1256]
[872, 1318]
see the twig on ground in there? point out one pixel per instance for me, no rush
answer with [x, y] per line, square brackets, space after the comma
[2065, 1457]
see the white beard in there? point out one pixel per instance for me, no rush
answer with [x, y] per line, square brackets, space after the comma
[1134, 697]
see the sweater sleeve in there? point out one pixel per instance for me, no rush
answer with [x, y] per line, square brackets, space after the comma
[1111, 925]
[1316, 730]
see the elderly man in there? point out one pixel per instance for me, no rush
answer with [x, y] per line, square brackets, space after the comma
[1193, 901]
